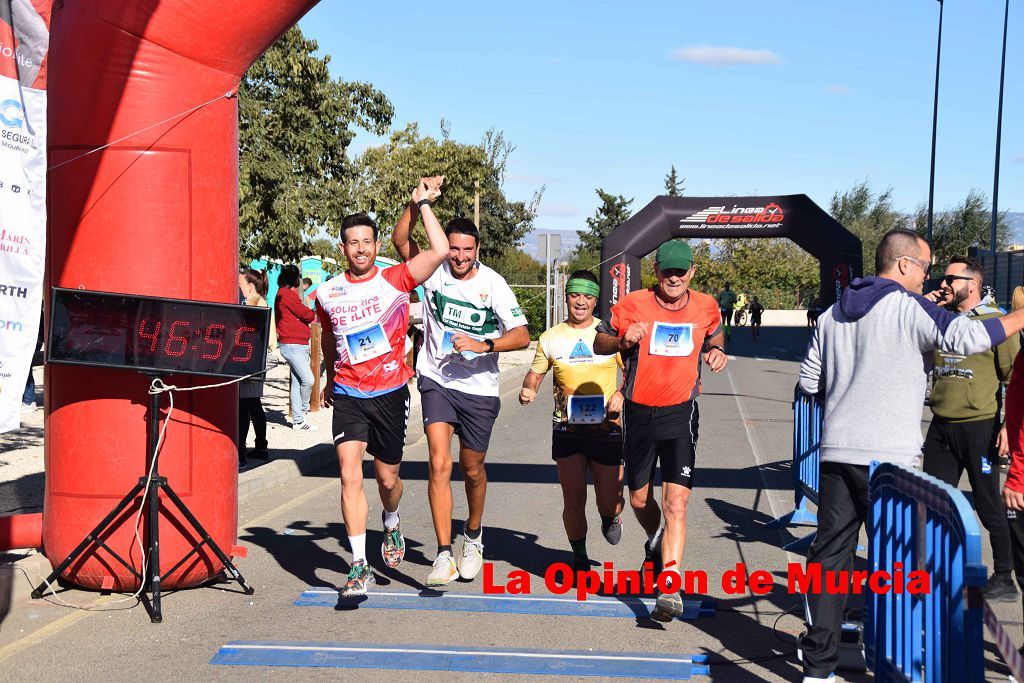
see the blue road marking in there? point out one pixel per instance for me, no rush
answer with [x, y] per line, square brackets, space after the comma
[466, 659]
[502, 604]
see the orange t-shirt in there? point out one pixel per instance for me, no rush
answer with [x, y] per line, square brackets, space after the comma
[664, 368]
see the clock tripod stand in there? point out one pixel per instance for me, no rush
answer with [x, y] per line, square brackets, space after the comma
[151, 484]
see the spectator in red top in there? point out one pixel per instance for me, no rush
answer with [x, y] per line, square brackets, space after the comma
[293, 320]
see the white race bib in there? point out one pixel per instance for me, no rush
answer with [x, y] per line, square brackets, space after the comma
[671, 339]
[367, 343]
[448, 346]
[586, 409]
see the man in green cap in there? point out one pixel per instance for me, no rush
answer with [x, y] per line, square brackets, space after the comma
[662, 333]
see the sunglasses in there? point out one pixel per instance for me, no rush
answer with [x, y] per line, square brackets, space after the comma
[950, 279]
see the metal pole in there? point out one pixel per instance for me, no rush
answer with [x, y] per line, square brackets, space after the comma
[547, 282]
[999, 135]
[476, 203]
[935, 119]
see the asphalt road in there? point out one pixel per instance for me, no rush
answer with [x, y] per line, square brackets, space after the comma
[296, 541]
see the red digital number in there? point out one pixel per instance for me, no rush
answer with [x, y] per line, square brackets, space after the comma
[171, 338]
[151, 336]
[216, 342]
[240, 345]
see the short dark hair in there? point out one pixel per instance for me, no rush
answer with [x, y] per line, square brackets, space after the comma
[306, 281]
[894, 245]
[584, 275]
[726, 285]
[462, 226]
[289, 276]
[356, 219]
[974, 267]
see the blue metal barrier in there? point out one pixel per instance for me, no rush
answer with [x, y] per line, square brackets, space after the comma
[807, 419]
[924, 524]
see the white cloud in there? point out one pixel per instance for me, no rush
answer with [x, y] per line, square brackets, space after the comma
[557, 210]
[837, 89]
[709, 55]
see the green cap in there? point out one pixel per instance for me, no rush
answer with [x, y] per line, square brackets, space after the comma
[674, 254]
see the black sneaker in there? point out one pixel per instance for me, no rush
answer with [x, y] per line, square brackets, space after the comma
[613, 530]
[653, 555]
[1000, 588]
[1004, 462]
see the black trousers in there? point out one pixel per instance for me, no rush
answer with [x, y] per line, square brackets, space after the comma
[952, 447]
[251, 409]
[842, 509]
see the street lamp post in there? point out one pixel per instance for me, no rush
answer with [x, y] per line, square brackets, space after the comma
[935, 119]
[999, 135]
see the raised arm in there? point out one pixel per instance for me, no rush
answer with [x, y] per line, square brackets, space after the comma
[423, 264]
[401, 236]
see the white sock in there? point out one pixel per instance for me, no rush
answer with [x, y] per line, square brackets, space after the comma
[358, 544]
[391, 519]
[652, 539]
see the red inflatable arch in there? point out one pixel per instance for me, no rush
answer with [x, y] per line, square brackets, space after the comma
[156, 213]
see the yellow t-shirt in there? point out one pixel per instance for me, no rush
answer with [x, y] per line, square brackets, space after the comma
[578, 370]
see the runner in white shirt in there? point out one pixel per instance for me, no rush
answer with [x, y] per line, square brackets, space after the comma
[470, 314]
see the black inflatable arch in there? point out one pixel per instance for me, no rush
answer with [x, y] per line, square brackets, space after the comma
[794, 217]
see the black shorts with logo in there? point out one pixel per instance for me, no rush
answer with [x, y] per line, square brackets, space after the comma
[380, 421]
[668, 434]
[600, 443]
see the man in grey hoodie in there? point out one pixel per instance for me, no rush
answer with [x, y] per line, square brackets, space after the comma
[869, 359]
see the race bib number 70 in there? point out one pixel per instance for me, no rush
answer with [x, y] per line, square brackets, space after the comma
[671, 339]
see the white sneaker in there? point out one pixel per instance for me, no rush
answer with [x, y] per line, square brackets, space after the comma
[472, 557]
[306, 426]
[810, 679]
[29, 407]
[444, 571]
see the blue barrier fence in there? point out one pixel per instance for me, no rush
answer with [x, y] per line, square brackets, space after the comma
[926, 525]
[807, 420]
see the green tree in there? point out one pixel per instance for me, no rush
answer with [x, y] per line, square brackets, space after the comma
[868, 216]
[968, 224]
[295, 126]
[774, 269]
[324, 248]
[613, 212]
[389, 172]
[674, 186]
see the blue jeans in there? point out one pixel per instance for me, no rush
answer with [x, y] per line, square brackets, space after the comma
[297, 357]
[30, 390]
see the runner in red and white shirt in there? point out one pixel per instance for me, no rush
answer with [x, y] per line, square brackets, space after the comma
[365, 314]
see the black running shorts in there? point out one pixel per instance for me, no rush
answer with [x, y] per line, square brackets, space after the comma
[599, 445]
[379, 421]
[668, 434]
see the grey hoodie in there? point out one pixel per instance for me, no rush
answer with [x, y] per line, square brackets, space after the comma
[870, 357]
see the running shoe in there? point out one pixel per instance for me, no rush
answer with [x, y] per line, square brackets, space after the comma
[472, 558]
[360, 578]
[613, 530]
[667, 607]
[1000, 588]
[580, 563]
[305, 427]
[444, 571]
[653, 554]
[393, 547]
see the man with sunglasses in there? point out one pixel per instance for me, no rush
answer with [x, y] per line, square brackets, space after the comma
[865, 361]
[965, 433]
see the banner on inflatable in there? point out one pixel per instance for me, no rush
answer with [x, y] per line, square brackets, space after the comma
[24, 40]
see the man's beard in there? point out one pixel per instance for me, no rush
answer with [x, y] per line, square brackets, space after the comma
[957, 299]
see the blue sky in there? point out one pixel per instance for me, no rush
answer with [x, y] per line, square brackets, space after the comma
[743, 97]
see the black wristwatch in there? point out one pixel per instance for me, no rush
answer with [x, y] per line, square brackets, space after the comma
[716, 346]
[490, 345]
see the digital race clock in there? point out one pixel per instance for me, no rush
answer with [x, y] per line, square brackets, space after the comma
[152, 334]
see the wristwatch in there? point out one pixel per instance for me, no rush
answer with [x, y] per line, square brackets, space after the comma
[490, 345]
[716, 346]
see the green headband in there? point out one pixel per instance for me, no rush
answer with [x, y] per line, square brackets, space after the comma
[580, 286]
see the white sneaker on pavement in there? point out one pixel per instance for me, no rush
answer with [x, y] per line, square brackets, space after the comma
[472, 557]
[444, 571]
